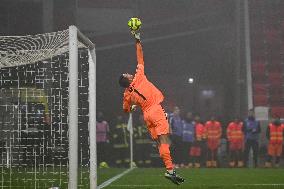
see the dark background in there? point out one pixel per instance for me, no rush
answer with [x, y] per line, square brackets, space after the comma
[202, 39]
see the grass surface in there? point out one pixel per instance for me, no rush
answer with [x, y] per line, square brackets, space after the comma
[149, 178]
[204, 178]
[25, 178]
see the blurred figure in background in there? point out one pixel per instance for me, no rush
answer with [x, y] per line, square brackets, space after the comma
[213, 132]
[274, 134]
[187, 138]
[195, 150]
[235, 138]
[35, 127]
[251, 130]
[120, 142]
[176, 136]
[102, 138]
[143, 144]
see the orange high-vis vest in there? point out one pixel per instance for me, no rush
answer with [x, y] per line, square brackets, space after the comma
[141, 91]
[213, 130]
[199, 131]
[234, 132]
[276, 134]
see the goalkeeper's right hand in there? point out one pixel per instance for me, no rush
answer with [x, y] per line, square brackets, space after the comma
[135, 35]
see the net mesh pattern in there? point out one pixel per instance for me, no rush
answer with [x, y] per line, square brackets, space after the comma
[34, 112]
[19, 50]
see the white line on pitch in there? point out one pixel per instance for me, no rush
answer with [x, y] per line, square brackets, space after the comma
[281, 184]
[136, 185]
[108, 182]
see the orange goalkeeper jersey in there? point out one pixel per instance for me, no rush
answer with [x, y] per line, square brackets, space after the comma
[141, 91]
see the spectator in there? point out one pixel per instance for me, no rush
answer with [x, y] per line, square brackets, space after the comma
[213, 132]
[102, 138]
[274, 134]
[236, 140]
[195, 150]
[176, 137]
[187, 138]
[251, 130]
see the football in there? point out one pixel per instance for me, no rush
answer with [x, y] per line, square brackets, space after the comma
[134, 24]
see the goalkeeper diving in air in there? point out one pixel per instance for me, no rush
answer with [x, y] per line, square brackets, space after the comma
[140, 91]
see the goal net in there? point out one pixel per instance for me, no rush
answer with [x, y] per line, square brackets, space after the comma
[46, 100]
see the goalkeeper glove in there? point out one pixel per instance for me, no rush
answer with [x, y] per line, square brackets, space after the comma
[136, 35]
[133, 108]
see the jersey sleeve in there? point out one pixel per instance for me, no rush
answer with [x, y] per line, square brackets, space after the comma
[139, 53]
[229, 132]
[268, 132]
[205, 129]
[126, 102]
[140, 59]
[220, 131]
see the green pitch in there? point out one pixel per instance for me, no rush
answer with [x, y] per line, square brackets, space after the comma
[149, 178]
[28, 178]
[204, 178]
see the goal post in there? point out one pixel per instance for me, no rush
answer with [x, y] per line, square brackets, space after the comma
[74, 35]
[92, 109]
[25, 56]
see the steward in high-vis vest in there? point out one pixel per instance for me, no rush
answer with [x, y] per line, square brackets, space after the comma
[195, 150]
[235, 138]
[213, 132]
[274, 134]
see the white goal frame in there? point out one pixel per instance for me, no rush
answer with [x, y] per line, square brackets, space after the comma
[75, 40]
[74, 36]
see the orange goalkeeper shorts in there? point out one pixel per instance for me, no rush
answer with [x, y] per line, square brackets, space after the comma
[274, 149]
[156, 121]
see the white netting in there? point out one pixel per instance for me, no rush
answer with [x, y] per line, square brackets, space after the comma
[20, 50]
[34, 111]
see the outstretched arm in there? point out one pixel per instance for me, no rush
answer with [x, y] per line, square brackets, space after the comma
[139, 53]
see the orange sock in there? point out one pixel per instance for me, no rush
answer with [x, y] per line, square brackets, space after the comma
[164, 150]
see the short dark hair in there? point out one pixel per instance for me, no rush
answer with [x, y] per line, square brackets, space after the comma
[123, 81]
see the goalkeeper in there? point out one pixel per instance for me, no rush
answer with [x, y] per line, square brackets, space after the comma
[139, 91]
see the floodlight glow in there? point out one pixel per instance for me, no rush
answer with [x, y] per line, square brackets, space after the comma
[190, 80]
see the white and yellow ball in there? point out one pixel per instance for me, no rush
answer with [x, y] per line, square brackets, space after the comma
[134, 24]
[103, 165]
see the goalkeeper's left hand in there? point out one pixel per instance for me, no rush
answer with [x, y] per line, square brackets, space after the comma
[136, 35]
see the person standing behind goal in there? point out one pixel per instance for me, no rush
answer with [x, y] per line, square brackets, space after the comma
[235, 138]
[176, 126]
[140, 91]
[213, 131]
[251, 129]
[274, 133]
